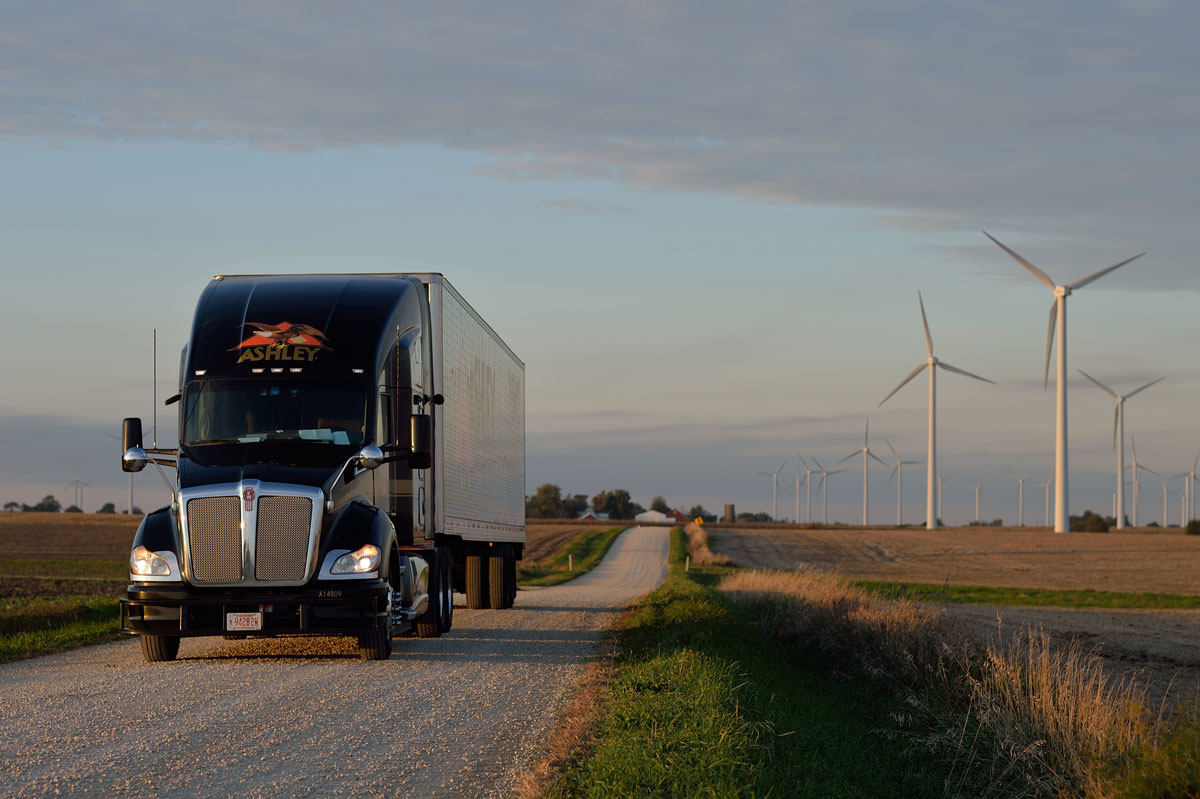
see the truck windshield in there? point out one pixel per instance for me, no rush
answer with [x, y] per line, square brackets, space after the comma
[253, 411]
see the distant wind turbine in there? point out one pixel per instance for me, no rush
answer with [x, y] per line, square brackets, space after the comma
[931, 518]
[1137, 484]
[808, 473]
[799, 481]
[1189, 489]
[898, 473]
[774, 490]
[1046, 485]
[978, 489]
[940, 480]
[1020, 497]
[1164, 494]
[1058, 311]
[1119, 440]
[825, 475]
[866, 453]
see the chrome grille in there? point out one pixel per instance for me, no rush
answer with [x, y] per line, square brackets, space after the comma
[215, 538]
[281, 551]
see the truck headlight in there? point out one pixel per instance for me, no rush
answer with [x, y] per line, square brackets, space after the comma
[143, 562]
[363, 560]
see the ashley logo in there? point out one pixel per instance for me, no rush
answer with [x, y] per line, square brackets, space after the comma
[282, 342]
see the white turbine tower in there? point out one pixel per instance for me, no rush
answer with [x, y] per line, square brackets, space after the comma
[1119, 440]
[1164, 494]
[940, 480]
[1137, 483]
[1189, 489]
[1058, 311]
[799, 481]
[898, 473]
[825, 475]
[933, 364]
[808, 473]
[978, 489]
[1020, 497]
[866, 453]
[774, 490]
[1046, 485]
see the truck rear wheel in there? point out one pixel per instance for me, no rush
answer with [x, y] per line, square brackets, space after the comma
[510, 578]
[476, 574]
[441, 590]
[160, 648]
[497, 584]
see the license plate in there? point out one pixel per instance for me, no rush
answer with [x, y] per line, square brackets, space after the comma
[240, 622]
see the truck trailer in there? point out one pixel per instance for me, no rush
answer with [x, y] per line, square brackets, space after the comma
[351, 453]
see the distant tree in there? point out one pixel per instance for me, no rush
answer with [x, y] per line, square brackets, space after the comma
[660, 504]
[698, 511]
[107, 507]
[545, 503]
[137, 511]
[48, 505]
[617, 504]
[1193, 527]
[573, 506]
[73, 509]
[997, 522]
[1089, 522]
[12, 506]
[754, 517]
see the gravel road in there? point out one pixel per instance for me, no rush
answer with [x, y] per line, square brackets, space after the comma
[456, 716]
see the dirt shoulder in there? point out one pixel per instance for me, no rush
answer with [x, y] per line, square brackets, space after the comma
[1160, 647]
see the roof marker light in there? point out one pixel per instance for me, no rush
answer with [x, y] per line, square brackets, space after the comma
[276, 370]
[258, 371]
[296, 370]
[357, 371]
[201, 372]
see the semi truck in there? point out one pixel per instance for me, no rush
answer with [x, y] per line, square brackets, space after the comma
[351, 453]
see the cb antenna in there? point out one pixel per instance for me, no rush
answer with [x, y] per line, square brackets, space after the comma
[154, 388]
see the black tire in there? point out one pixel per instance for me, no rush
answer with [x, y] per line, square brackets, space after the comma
[446, 561]
[429, 625]
[510, 578]
[377, 645]
[160, 648]
[477, 593]
[497, 585]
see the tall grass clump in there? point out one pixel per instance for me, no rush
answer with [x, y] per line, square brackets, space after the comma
[1018, 717]
[697, 548]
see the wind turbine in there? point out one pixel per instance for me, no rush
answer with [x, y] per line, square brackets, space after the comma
[1164, 494]
[940, 480]
[1189, 489]
[799, 479]
[1137, 484]
[933, 364]
[898, 473]
[1020, 496]
[808, 473]
[1046, 485]
[825, 475]
[1119, 440]
[866, 453]
[774, 490]
[978, 489]
[1058, 311]
[78, 486]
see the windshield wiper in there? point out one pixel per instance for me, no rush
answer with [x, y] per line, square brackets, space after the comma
[204, 441]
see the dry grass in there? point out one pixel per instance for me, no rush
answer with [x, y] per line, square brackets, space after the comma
[1018, 717]
[697, 548]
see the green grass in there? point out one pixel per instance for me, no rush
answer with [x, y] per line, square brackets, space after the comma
[706, 704]
[586, 550]
[1036, 597]
[38, 626]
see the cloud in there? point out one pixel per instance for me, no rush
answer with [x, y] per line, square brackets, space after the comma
[1065, 119]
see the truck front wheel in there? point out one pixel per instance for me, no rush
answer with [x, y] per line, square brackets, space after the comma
[160, 648]
[377, 645]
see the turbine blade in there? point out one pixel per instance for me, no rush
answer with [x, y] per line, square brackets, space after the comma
[819, 466]
[1014, 474]
[893, 474]
[1111, 393]
[1050, 341]
[780, 469]
[854, 454]
[963, 372]
[866, 432]
[1038, 273]
[893, 449]
[1143, 388]
[904, 382]
[1078, 284]
[1116, 419]
[876, 457]
[925, 322]
[1148, 469]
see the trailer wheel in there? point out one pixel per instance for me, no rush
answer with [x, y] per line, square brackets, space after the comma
[429, 625]
[476, 581]
[498, 576]
[377, 645]
[446, 563]
[510, 578]
[160, 648]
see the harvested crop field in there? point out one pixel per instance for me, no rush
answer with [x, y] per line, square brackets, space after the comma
[1161, 647]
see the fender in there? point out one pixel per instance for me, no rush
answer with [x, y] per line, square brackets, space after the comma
[356, 525]
[158, 532]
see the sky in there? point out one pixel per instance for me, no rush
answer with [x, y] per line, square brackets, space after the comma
[702, 226]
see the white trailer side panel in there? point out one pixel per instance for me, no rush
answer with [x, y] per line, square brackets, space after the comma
[480, 430]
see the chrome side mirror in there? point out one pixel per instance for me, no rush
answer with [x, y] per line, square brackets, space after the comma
[134, 460]
[369, 457]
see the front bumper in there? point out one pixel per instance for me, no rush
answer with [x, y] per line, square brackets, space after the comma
[340, 608]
